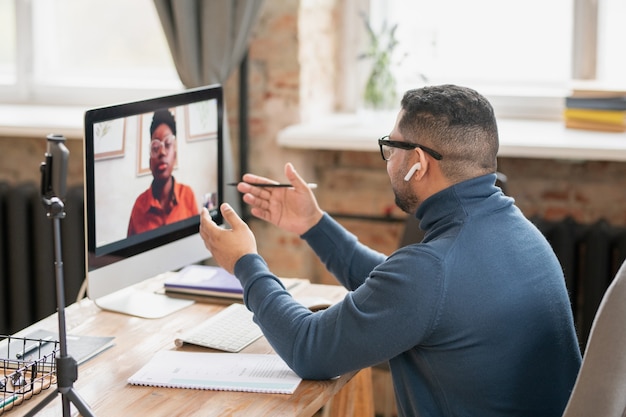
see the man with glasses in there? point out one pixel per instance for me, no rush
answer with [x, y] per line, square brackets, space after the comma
[166, 201]
[475, 320]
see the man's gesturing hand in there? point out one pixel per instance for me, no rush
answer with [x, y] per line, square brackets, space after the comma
[227, 245]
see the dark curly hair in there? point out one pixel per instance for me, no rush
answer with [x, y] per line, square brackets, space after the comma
[457, 122]
[163, 116]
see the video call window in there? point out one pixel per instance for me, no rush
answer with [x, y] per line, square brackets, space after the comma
[135, 159]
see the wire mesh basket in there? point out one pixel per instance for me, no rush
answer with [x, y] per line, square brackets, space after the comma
[28, 368]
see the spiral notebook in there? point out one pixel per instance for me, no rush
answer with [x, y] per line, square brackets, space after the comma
[218, 371]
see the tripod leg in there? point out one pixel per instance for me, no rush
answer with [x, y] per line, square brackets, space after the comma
[83, 408]
[67, 373]
[65, 406]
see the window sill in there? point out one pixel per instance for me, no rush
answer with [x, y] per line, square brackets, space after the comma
[518, 138]
[40, 121]
[350, 132]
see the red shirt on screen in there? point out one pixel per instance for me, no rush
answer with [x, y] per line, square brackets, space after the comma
[147, 213]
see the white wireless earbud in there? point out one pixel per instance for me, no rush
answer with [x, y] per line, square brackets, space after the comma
[416, 167]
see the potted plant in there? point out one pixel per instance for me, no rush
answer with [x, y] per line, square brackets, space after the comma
[380, 88]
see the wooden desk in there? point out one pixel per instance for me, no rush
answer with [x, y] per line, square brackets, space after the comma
[102, 380]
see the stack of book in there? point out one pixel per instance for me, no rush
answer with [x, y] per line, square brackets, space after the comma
[602, 110]
[212, 284]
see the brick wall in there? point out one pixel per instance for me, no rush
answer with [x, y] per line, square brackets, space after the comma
[20, 159]
[553, 189]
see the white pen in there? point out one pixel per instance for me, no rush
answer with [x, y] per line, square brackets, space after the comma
[34, 346]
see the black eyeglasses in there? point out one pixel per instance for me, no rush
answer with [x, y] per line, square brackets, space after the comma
[386, 148]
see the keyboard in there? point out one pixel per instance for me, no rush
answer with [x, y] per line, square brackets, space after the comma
[230, 330]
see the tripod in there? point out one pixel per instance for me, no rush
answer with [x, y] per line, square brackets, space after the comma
[53, 174]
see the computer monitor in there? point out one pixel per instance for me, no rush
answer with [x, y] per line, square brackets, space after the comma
[131, 151]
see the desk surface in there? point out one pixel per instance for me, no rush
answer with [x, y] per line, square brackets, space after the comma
[102, 380]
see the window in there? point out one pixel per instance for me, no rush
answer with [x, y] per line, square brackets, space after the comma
[459, 41]
[519, 54]
[611, 65]
[78, 52]
[7, 42]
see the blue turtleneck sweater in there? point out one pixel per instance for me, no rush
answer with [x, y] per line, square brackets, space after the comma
[475, 320]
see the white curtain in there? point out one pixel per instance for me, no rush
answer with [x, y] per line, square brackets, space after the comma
[208, 40]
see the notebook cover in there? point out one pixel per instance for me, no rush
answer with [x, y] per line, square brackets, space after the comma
[202, 279]
[80, 347]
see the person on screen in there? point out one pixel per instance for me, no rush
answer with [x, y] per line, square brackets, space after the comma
[166, 201]
[475, 320]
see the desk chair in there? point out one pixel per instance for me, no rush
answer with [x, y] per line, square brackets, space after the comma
[600, 389]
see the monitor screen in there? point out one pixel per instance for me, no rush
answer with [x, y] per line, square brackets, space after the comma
[150, 167]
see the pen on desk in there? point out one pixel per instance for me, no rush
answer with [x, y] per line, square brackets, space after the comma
[311, 185]
[34, 346]
[7, 401]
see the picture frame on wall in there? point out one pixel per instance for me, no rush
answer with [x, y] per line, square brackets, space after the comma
[201, 121]
[109, 139]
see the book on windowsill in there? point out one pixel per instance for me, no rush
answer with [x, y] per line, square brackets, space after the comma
[594, 125]
[593, 90]
[598, 103]
[597, 97]
[211, 284]
[612, 117]
[265, 373]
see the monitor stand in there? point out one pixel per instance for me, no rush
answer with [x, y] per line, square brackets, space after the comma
[141, 302]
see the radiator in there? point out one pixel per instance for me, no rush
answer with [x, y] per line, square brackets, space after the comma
[590, 256]
[27, 270]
